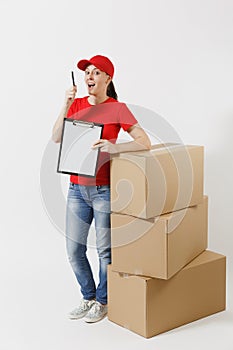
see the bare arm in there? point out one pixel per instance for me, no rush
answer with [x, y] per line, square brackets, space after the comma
[57, 128]
[141, 142]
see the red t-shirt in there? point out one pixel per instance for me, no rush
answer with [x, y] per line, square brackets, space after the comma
[114, 115]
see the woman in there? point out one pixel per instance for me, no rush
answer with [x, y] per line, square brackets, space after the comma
[89, 198]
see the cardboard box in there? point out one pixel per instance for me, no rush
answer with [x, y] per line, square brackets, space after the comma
[150, 306]
[149, 183]
[161, 246]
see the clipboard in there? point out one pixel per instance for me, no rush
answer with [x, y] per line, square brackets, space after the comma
[76, 157]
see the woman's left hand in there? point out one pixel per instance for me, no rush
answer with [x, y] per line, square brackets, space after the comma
[105, 146]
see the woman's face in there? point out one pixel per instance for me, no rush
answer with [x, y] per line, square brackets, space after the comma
[96, 80]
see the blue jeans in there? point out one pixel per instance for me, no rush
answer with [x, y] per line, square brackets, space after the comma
[85, 203]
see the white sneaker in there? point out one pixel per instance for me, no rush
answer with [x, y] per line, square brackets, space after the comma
[82, 309]
[96, 313]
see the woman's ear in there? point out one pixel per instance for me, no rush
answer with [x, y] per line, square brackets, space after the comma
[108, 79]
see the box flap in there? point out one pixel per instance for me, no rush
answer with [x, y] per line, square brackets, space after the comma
[174, 218]
[155, 149]
[145, 153]
[203, 258]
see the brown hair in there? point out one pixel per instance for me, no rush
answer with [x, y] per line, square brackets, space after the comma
[111, 92]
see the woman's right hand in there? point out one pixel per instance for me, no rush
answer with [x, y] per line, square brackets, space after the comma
[70, 95]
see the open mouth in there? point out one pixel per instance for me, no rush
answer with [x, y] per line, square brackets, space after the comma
[91, 85]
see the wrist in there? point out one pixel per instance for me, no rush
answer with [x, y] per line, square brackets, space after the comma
[68, 102]
[117, 148]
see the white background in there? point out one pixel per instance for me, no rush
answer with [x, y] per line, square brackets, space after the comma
[173, 57]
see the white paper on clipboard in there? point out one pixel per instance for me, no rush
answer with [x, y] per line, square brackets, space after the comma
[76, 155]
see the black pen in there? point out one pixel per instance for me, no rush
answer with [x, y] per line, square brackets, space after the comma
[72, 75]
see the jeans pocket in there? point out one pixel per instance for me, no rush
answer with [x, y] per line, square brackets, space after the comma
[103, 189]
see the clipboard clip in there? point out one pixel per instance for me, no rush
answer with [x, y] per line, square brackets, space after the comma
[83, 123]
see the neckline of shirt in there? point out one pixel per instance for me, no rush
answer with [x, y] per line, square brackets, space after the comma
[97, 103]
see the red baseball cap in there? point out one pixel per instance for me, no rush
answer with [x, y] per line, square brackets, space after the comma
[101, 62]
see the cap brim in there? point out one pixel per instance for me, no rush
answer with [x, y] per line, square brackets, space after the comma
[83, 64]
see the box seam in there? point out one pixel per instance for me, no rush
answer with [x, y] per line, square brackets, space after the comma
[167, 249]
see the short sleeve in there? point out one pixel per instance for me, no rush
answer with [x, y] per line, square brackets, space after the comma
[126, 117]
[73, 109]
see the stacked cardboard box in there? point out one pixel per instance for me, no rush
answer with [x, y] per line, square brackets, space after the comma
[161, 274]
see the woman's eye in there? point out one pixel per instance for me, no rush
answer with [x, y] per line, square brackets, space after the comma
[97, 73]
[86, 72]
